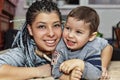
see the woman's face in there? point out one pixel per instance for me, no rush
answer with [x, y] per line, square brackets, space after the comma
[46, 31]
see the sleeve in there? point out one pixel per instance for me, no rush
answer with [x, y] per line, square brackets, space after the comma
[91, 72]
[92, 69]
[57, 59]
[12, 57]
[103, 43]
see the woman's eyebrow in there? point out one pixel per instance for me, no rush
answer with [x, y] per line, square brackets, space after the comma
[41, 22]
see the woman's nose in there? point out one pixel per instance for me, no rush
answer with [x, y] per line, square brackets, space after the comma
[51, 32]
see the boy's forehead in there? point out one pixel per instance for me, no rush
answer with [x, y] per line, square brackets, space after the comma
[74, 19]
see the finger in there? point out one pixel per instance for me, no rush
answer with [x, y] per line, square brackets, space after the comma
[104, 76]
[78, 71]
[73, 78]
[64, 68]
[77, 68]
[107, 76]
[76, 74]
[61, 66]
[69, 69]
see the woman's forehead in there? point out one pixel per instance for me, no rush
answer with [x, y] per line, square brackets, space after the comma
[47, 16]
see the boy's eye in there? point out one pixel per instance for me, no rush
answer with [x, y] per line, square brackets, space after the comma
[78, 32]
[67, 28]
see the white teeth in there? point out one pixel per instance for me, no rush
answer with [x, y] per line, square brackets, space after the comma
[50, 41]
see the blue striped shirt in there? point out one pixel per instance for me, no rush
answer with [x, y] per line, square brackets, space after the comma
[90, 54]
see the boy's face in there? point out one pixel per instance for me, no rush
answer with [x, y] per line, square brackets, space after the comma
[76, 33]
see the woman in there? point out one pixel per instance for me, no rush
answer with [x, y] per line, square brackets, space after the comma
[40, 34]
[41, 31]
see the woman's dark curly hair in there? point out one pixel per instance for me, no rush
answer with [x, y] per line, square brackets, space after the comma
[23, 39]
[41, 6]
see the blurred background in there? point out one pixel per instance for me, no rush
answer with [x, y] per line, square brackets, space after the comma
[12, 17]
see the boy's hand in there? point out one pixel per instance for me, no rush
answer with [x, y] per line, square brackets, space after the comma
[105, 75]
[76, 74]
[69, 65]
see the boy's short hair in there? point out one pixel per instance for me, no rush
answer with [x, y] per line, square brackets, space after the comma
[87, 14]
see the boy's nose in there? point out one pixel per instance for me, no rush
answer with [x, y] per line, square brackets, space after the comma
[70, 34]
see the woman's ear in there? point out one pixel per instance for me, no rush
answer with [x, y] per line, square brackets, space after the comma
[29, 29]
[93, 36]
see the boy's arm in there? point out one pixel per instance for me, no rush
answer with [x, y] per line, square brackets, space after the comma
[90, 71]
[106, 58]
[68, 66]
[75, 74]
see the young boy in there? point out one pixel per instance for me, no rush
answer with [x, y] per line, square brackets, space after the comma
[79, 53]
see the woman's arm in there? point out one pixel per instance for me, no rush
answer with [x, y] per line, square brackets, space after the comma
[8, 72]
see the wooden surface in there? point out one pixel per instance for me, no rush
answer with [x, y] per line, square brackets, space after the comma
[49, 78]
[114, 70]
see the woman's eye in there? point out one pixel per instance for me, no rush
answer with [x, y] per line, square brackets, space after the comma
[41, 26]
[57, 25]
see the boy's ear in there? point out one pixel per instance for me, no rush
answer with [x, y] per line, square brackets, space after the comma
[29, 29]
[93, 36]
